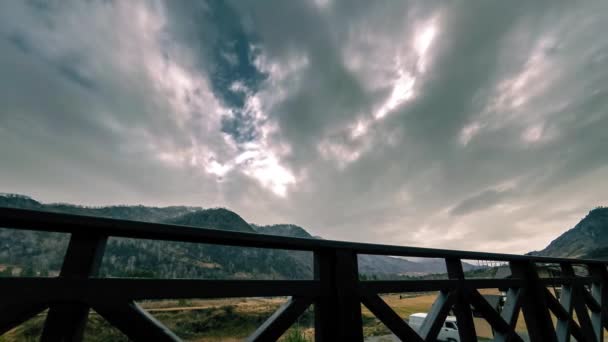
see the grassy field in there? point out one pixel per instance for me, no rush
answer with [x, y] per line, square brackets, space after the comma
[234, 319]
[229, 320]
[193, 320]
[404, 307]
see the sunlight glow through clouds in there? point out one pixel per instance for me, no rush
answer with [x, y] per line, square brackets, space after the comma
[215, 168]
[514, 100]
[402, 91]
[533, 133]
[359, 129]
[258, 159]
[259, 163]
[422, 42]
[341, 153]
[322, 4]
[256, 162]
[469, 131]
[405, 77]
[372, 105]
[267, 169]
[533, 79]
[403, 88]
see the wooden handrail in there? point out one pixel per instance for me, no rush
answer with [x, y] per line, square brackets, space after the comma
[335, 291]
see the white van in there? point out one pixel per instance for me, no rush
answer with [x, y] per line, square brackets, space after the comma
[448, 332]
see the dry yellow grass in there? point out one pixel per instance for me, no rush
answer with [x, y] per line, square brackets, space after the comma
[423, 302]
[404, 306]
[241, 304]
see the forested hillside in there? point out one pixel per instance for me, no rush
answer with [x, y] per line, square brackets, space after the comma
[588, 239]
[41, 253]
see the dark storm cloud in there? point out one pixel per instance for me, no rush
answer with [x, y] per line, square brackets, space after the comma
[59, 132]
[413, 164]
[326, 95]
[436, 123]
[228, 54]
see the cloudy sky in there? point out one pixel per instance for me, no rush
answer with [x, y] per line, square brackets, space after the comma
[478, 124]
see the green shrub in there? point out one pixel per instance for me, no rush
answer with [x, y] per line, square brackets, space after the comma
[296, 335]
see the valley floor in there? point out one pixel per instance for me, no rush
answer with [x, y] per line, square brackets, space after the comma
[234, 319]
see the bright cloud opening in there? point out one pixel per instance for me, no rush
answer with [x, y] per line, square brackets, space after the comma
[268, 171]
[403, 90]
[422, 42]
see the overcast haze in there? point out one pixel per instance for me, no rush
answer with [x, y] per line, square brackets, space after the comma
[479, 125]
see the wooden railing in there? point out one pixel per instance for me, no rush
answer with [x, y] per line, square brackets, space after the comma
[336, 292]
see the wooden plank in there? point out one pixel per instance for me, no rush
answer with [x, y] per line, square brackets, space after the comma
[563, 323]
[566, 302]
[599, 292]
[326, 306]
[276, 325]
[590, 300]
[561, 314]
[134, 322]
[534, 303]
[56, 222]
[66, 321]
[350, 322]
[340, 286]
[462, 308]
[338, 308]
[556, 307]
[83, 255]
[579, 304]
[510, 313]
[501, 326]
[435, 318]
[583, 318]
[384, 313]
[85, 290]
[552, 281]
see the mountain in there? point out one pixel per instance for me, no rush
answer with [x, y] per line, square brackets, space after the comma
[218, 218]
[598, 253]
[42, 252]
[125, 212]
[290, 230]
[588, 239]
[19, 201]
[377, 265]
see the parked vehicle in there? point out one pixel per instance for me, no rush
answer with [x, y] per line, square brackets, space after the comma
[448, 332]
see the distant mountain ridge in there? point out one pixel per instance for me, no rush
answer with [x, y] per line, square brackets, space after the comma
[379, 265]
[130, 257]
[217, 218]
[588, 238]
[126, 212]
[289, 230]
